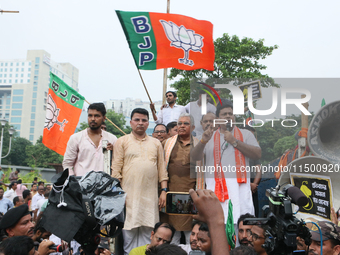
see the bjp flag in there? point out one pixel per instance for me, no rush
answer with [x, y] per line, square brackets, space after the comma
[162, 40]
[64, 106]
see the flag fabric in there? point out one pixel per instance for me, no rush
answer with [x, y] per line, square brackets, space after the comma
[63, 109]
[323, 102]
[162, 40]
[229, 227]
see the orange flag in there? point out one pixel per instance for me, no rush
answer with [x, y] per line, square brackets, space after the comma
[162, 40]
[64, 106]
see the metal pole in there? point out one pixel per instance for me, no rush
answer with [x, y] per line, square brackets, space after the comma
[2, 138]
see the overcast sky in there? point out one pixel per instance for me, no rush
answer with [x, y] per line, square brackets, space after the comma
[88, 35]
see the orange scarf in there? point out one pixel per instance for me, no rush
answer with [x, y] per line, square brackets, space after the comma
[221, 189]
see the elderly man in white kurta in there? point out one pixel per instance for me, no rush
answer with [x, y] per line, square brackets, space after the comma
[139, 165]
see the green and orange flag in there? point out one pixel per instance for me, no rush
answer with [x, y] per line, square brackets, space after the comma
[162, 40]
[64, 106]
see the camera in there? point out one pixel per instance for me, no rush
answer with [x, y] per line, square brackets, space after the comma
[281, 226]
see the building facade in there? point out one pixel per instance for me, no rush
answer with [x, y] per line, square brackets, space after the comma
[24, 87]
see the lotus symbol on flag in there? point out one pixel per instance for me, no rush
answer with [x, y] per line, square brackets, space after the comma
[184, 39]
[52, 113]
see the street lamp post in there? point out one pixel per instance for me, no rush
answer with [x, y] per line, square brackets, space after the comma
[11, 132]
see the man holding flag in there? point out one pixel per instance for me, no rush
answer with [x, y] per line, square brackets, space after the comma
[84, 149]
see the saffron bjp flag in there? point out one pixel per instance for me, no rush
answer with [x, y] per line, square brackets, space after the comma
[63, 109]
[162, 40]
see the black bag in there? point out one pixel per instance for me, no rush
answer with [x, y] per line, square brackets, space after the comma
[79, 206]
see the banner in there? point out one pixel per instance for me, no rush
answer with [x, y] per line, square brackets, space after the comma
[63, 109]
[162, 40]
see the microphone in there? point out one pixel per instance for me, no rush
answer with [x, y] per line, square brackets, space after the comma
[296, 194]
[57, 248]
[228, 126]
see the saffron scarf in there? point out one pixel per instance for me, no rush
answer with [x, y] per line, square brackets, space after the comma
[221, 189]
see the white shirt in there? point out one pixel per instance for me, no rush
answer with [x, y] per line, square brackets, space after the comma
[168, 114]
[196, 111]
[35, 200]
[83, 156]
[10, 194]
[240, 194]
[40, 203]
[186, 247]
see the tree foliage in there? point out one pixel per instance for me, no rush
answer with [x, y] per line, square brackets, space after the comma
[234, 58]
[116, 118]
[39, 155]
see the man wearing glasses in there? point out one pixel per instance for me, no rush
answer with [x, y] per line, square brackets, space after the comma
[139, 164]
[177, 159]
[160, 132]
[256, 238]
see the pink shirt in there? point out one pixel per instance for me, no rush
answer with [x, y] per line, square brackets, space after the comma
[83, 156]
[20, 189]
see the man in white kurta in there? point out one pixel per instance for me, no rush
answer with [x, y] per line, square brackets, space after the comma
[239, 193]
[139, 164]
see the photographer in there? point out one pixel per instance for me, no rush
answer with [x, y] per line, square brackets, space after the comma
[256, 238]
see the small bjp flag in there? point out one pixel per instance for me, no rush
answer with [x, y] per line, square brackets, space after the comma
[64, 106]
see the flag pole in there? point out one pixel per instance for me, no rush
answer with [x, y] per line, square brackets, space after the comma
[147, 92]
[110, 121]
[165, 74]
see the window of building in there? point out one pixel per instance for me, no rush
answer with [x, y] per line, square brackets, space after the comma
[5, 64]
[34, 102]
[16, 80]
[36, 66]
[29, 75]
[46, 94]
[18, 99]
[6, 115]
[16, 119]
[31, 138]
[37, 60]
[31, 130]
[0, 74]
[10, 81]
[17, 69]
[45, 100]
[22, 69]
[5, 81]
[29, 63]
[45, 107]
[0, 81]
[16, 106]
[11, 69]
[32, 116]
[16, 75]
[18, 92]
[17, 63]
[10, 75]
[11, 64]
[5, 69]
[2, 64]
[36, 72]
[21, 81]
[16, 112]
[34, 95]
[32, 123]
[23, 63]
[35, 88]
[5, 75]
[28, 80]
[33, 109]
[22, 75]
[35, 83]
[35, 78]
[16, 126]
[0, 69]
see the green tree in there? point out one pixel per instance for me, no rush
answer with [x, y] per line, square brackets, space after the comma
[283, 144]
[39, 155]
[17, 155]
[117, 119]
[234, 58]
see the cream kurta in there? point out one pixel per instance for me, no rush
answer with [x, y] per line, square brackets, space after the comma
[140, 164]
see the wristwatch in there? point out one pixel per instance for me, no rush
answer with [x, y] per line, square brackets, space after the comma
[235, 143]
[165, 189]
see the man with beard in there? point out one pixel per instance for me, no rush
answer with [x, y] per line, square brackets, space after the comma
[257, 238]
[138, 163]
[204, 240]
[193, 238]
[170, 112]
[244, 230]
[84, 151]
[18, 222]
[160, 132]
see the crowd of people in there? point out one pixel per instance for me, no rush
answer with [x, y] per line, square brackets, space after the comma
[184, 145]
